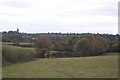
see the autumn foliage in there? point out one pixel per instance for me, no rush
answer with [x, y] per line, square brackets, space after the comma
[43, 46]
[91, 45]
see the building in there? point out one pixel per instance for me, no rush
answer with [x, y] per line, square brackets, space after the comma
[18, 30]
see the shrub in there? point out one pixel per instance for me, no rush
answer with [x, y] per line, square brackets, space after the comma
[15, 54]
[16, 43]
[40, 53]
[59, 54]
[26, 45]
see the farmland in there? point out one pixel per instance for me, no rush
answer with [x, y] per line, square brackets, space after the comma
[59, 39]
[105, 66]
[59, 56]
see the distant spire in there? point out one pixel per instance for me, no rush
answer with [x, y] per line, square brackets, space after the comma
[18, 30]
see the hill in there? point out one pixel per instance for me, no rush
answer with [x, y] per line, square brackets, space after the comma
[96, 67]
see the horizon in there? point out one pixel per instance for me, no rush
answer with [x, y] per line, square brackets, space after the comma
[65, 16]
[59, 32]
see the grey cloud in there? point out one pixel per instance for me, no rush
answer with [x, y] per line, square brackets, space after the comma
[61, 15]
[15, 4]
[108, 12]
[9, 14]
[110, 9]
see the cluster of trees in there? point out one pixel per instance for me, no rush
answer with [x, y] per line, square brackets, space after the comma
[85, 44]
[74, 47]
[14, 36]
[90, 46]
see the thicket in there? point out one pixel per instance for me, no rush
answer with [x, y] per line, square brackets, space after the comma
[62, 54]
[12, 54]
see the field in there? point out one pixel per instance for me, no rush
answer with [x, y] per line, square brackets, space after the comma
[85, 67]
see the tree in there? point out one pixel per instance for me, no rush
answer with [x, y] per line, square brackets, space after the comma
[91, 45]
[58, 47]
[102, 44]
[43, 46]
[115, 46]
[85, 47]
[70, 43]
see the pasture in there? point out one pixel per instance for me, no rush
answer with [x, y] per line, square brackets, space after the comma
[105, 66]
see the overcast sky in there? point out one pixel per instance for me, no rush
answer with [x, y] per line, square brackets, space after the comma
[79, 16]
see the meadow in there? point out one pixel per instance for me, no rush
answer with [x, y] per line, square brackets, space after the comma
[105, 66]
[20, 62]
[59, 55]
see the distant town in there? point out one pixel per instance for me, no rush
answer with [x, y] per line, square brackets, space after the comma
[8, 36]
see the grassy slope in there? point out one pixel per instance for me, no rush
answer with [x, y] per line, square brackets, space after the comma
[99, 66]
[16, 54]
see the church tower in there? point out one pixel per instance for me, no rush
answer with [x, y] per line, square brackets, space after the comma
[18, 30]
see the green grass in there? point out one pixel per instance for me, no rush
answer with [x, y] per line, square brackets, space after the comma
[84, 67]
[15, 54]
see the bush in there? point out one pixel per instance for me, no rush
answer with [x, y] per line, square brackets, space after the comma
[60, 54]
[91, 45]
[26, 45]
[16, 43]
[40, 53]
[15, 54]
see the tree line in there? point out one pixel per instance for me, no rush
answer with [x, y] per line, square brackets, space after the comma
[65, 45]
[75, 47]
[12, 36]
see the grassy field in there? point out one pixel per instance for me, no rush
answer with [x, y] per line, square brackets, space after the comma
[84, 67]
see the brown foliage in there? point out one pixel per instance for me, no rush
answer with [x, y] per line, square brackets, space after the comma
[42, 42]
[91, 45]
[115, 46]
[43, 46]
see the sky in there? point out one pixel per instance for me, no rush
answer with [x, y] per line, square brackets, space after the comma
[75, 16]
